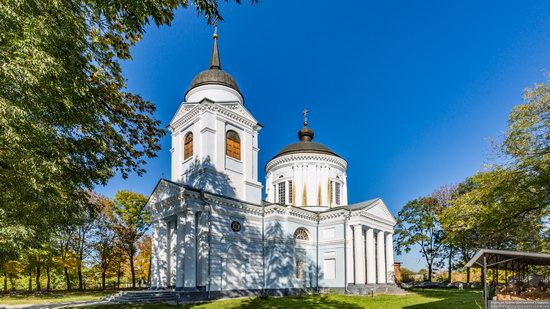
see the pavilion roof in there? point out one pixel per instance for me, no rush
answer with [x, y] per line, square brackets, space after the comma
[504, 258]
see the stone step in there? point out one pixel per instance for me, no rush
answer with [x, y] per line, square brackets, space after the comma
[366, 289]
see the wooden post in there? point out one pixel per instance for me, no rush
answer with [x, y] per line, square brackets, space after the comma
[484, 276]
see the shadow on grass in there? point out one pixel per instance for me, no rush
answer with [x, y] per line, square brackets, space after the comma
[306, 302]
[448, 298]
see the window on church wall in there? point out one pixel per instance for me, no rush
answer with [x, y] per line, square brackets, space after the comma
[290, 192]
[188, 146]
[337, 193]
[282, 193]
[301, 234]
[300, 269]
[233, 145]
[329, 268]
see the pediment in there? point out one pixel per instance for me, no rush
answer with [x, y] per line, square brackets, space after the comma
[233, 110]
[380, 210]
[164, 190]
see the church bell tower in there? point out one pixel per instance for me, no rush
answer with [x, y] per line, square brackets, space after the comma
[215, 138]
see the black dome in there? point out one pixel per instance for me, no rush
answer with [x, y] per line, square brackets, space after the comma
[214, 76]
[306, 144]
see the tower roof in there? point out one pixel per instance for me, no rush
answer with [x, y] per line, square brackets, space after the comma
[305, 143]
[214, 75]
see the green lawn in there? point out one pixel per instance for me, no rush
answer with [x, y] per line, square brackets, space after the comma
[52, 297]
[429, 298]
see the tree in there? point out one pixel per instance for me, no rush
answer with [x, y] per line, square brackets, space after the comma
[143, 259]
[407, 275]
[443, 197]
[105, 243]
[132, 222]
[67, 121]
[417, 225]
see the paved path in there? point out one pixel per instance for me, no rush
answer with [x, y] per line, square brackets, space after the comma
[56, 305]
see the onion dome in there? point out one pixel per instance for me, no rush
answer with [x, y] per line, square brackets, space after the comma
[305, 143]
[214, 75]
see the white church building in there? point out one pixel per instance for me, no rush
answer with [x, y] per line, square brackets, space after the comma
[214, 231]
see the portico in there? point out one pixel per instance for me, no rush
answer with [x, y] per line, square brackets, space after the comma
[373, 257]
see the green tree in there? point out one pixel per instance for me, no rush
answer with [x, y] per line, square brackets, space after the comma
[507, 205]
[418, 226]
[67, 121]
[407, 275]
[132, 222]
[104, 236]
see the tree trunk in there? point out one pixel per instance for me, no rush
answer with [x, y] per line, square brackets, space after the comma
[30, 280]
[80, 277]
[103, 275]
[12, 283]
[5, 282]
[118, 279]
[467, 274]
[67, 279]
[132, 269]
[38, 287]
[48, 287]
[430, 272]
[449, 277]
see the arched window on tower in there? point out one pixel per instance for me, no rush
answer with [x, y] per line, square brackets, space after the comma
[233, 145]
[301, 234]
[188, 146]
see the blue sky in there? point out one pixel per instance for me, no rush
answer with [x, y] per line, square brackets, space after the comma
[409, 92]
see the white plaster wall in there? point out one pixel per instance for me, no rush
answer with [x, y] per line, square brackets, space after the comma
[214, 93]
[209, 168]
[309, 172]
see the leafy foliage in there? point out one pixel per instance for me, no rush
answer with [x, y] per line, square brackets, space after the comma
[132, 221]
[418, 225]
[507, 206]
[66, 121]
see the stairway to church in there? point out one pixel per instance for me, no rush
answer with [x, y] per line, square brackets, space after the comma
[367, 289]
[141, 297]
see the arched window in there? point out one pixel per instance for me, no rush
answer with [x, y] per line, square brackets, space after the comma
[233, 145]
[188, 146]
[301, 234]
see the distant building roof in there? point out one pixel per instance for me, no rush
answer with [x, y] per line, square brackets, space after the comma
[498, 257]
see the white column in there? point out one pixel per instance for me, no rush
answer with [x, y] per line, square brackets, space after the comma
[172, 253]
[359, 257]
[371, 262]
[380, 258]
[154, 257]
[389, 258]
[349, 255]
[180, 253]
[190, 265]
[162, 255]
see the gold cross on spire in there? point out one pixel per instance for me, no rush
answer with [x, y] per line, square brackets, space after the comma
[215, 23]
[306, 111]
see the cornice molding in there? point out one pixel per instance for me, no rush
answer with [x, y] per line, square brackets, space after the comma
[232, 110]
[308, 158]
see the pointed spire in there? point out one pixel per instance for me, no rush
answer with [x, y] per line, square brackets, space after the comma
[215, 59]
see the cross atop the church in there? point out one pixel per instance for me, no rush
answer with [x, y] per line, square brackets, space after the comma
[215, 24]
[306, 111]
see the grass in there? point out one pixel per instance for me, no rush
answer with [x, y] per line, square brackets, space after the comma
[52, 297]
[428, 298]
